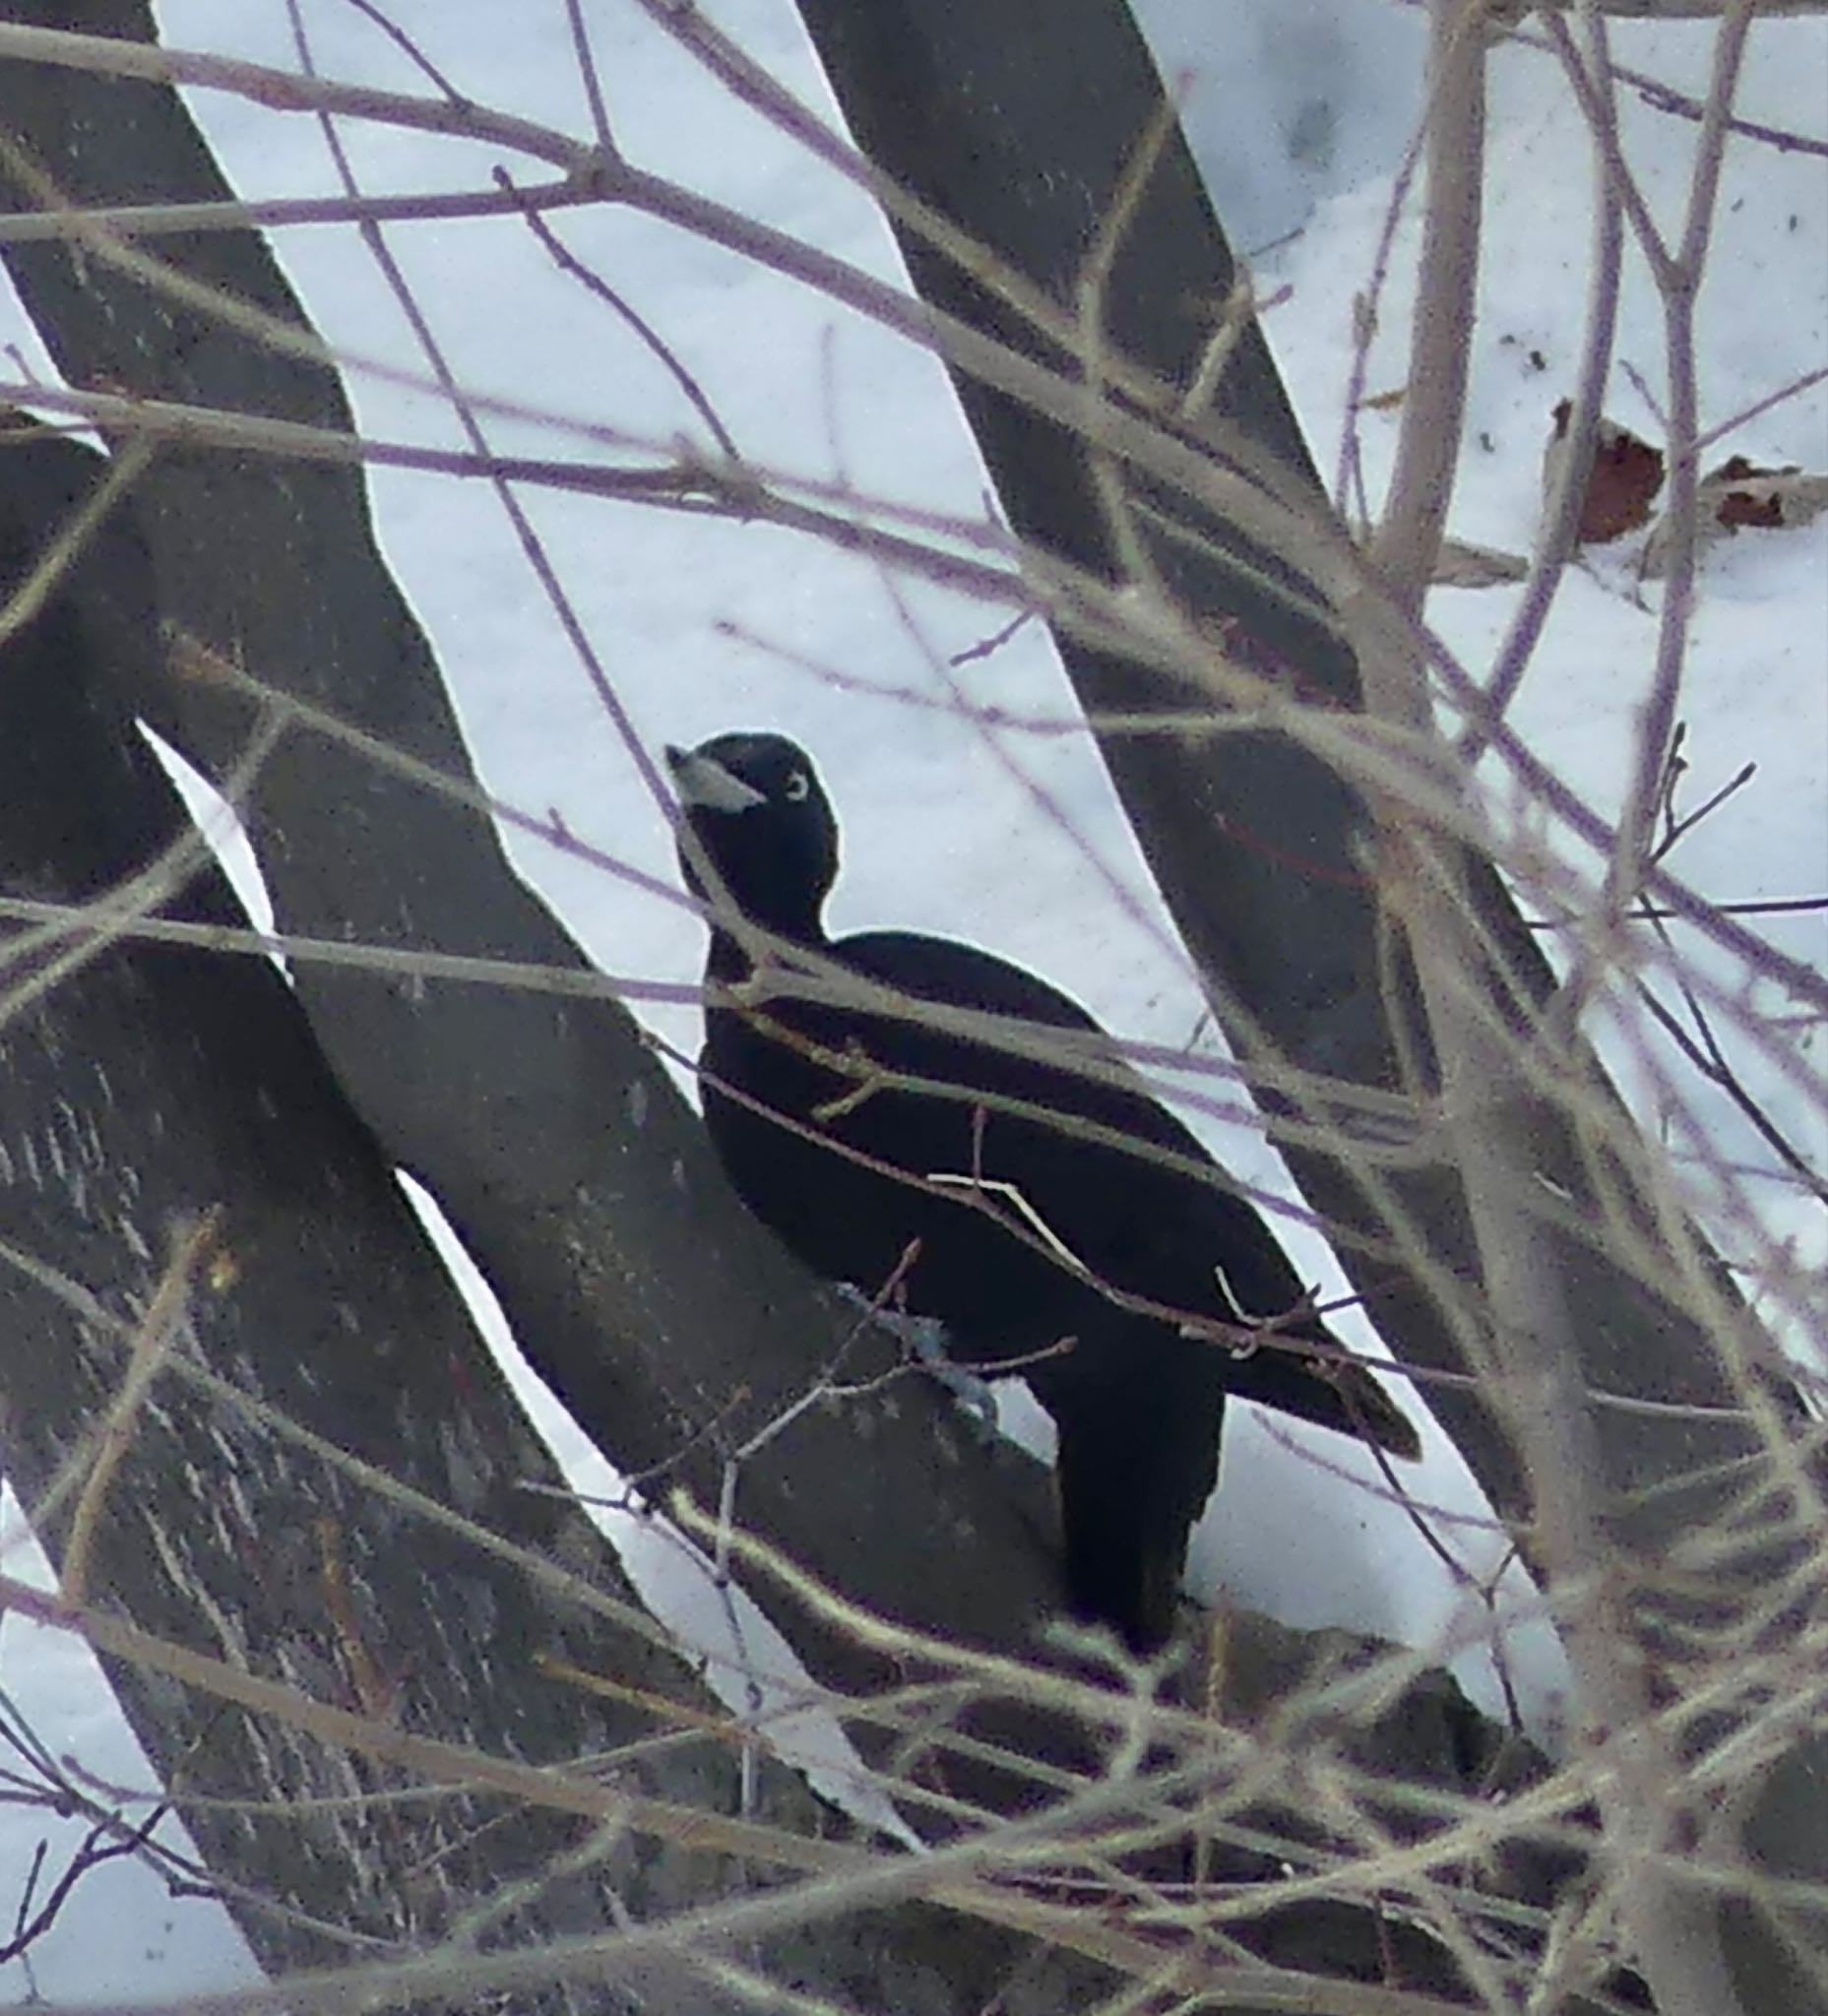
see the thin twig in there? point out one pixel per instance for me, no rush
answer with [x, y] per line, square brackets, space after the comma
[1679, 280]
[568, 261]
[1559, 528]
[155, 1336]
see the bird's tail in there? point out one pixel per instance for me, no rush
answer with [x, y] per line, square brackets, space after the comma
[1139, 1458]
[1131, 1486]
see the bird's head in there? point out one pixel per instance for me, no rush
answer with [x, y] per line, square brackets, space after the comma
[754, 806]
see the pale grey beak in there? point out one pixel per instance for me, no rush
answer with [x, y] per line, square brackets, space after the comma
[704, 783]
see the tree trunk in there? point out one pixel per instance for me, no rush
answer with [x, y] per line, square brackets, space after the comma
[668, 1322]
[152, 1094]
[1258, 846]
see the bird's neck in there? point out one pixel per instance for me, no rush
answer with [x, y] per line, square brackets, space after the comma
[730, 961]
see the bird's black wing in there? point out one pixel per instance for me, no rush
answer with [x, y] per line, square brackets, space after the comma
[836, 1120]
[864, 1133]
[1103, 1170]
[1016, 1176]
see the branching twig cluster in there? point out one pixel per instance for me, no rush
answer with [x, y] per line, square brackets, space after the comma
[1694, 1670]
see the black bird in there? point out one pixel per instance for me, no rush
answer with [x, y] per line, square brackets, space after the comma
[854, 1128]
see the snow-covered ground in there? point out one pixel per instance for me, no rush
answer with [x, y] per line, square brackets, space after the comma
[705, 625]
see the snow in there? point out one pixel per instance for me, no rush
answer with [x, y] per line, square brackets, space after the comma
[1012, 840]
[1334, 92]
[122, 1936]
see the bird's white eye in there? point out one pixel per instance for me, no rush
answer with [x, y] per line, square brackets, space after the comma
[797, 785]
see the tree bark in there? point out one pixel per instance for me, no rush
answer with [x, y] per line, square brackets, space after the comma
[667, 1321]
[1258, 847]
[151, 1090]
[1257, 843]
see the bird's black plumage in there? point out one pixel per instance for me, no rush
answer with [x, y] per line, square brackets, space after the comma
[854, 1128]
